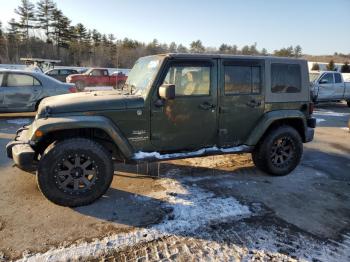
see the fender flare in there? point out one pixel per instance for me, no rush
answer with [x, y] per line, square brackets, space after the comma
[53, 124]
[271, 117]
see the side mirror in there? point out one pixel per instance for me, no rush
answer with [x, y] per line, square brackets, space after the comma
[323, 81]
[167, 92]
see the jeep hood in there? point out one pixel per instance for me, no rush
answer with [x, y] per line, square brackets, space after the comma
[89, 101]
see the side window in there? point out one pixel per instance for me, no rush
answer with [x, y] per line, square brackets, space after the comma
[65, 72]
[285, 78]
[337, 78]
[14, 80]
[327, 79]
[105, 72]
[189, 80]
[96, 73]
[1, 78]
[242, 80]
[53, 72]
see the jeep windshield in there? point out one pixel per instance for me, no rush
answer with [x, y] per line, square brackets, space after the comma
[142, 74]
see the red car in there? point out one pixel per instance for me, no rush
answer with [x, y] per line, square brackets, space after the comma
[97, 77]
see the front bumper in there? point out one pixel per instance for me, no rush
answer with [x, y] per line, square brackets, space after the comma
[21, 151]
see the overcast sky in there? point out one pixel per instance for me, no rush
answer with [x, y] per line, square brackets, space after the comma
[319, 26]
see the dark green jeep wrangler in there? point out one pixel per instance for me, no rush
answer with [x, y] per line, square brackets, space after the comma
[174, 106]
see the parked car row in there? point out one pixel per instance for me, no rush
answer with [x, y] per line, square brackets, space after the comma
[97, 77]
[329, 86]
[61, 74]
[22, 91]
[88, 78]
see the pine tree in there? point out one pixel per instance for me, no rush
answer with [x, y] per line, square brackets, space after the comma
[286, 52]
[264, 51]
[61, 30]
[253, 50]
[224, 48]
[45, 10]
[13, 39]
[96, 37]
[172, 47]
[26, 17]
[181, 49]
[345, 68]
[297, 51]
[331, 66]
[197, 47]
[81, 32]
[245, 50]
[315, 67]
[3, 45]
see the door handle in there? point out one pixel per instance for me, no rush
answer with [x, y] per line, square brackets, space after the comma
[253, 103]
[206, 106]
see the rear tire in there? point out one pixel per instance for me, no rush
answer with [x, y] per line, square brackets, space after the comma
[75, 172]
[120, 85]
[279, 152]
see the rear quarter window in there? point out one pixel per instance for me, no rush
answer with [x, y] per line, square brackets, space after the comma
[285, 78]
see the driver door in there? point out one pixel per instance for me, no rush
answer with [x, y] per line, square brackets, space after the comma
[189, 121]
[326, 87]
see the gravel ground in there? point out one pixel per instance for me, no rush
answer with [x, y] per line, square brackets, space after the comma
[214, 209]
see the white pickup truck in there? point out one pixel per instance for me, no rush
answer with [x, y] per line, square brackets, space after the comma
[329, 86]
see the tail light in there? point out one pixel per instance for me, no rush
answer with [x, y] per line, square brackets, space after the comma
[311, 108]
[72, 89]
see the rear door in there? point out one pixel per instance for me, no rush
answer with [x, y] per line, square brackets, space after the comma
[241, 99]
[21, 92]
[189, 121]
[339, 86]
[326, 87]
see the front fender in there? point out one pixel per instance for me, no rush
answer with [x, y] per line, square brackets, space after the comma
[52, 124]
[268, 119]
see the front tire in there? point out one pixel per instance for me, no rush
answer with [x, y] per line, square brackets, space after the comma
[80, 85]
[279, 152]
[75, 172]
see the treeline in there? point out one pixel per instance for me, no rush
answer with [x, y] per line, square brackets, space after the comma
[42, 30]
[345, 68]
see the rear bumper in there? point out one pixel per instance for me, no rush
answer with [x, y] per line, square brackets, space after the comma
[310, 131]
[309, 134]
[311, 122]
[21, 152]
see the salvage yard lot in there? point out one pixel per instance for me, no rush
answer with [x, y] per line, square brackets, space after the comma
[218, 207]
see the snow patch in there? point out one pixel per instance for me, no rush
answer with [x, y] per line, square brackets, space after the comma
[323, 112]
[98, 88]
[143, 155]
[19, 121]
[192, 207]
[319, 120]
